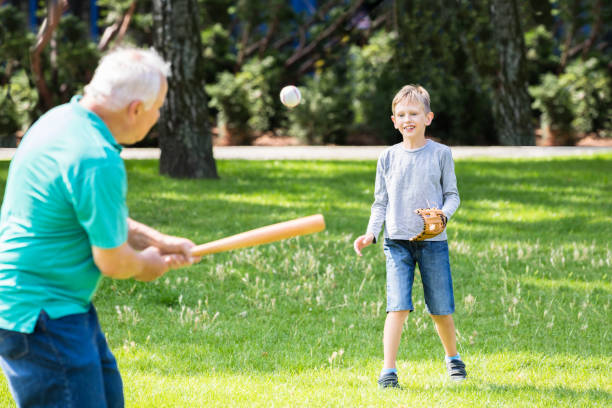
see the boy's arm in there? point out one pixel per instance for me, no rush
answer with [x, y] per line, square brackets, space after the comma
[449, 185]
[379, 207]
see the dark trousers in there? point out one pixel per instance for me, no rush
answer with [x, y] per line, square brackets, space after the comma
[64, 363]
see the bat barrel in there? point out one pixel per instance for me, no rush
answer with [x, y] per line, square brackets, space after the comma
[263, 235]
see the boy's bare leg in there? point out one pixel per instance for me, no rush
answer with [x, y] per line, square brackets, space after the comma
[446, 330]
[392, 335]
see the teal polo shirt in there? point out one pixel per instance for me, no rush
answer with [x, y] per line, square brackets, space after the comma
[66, 191]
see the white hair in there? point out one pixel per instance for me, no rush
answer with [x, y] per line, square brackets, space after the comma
[126, 75]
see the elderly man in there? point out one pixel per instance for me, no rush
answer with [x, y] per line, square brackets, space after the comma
[64, 224]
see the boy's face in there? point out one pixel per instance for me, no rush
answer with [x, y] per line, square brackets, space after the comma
[411, 120]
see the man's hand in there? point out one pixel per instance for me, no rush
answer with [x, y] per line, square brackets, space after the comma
[362, 242]
[149, 264]
[173, 252]
[177, 251]
[154, 265]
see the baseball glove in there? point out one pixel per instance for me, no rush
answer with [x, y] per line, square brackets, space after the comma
[434, 222]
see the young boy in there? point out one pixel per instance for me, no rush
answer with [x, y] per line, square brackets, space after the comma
[417, 173]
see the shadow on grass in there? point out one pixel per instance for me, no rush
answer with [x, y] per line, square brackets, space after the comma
[551, 184]
[250, 195]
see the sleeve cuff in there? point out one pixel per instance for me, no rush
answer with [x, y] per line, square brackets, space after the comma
[374, 240]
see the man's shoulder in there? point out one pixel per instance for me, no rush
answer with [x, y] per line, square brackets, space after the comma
[88, 142]
[67, 144]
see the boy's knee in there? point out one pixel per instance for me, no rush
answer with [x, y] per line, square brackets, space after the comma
[399, 314]
[442, 318]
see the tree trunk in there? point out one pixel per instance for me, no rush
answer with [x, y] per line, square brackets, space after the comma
[55, 8]
[511, 101]
[184, 132]
[118, 29]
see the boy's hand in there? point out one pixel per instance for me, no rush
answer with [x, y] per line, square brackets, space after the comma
[362, 242]
[434, 222]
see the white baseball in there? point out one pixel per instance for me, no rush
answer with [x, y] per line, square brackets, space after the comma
[290, 96]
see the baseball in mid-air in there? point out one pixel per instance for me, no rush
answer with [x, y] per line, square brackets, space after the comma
[290, 96]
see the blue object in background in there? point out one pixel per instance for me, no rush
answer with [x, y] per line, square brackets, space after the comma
[309, 6]
[94, 13]
[33, 23]
[93, 20]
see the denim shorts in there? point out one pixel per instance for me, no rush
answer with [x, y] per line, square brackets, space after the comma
[64, 363]
[434, 266]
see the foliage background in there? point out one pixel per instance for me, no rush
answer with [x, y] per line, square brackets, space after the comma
[253, 48]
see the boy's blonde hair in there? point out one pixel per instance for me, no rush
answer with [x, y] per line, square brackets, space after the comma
[412, 93]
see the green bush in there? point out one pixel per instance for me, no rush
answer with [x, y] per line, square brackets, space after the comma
[15, 39]
[540, 53]
[577, 101]
[430, 55]
[245, 101]
[591, 96]
[8, 121]
[325, 112]
[17, 96]
[216, 48]
[375, 79]
[18, 99]
[77, 59]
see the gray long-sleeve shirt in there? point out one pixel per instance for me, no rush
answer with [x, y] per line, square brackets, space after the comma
[410, 179]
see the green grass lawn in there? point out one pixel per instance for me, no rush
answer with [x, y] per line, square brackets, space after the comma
[299, 323]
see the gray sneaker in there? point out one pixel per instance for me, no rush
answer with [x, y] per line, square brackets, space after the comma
[456, 370]
[388, 381]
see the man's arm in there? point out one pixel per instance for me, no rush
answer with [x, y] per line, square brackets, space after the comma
[146, 255]
[124, 262]
[141, 236]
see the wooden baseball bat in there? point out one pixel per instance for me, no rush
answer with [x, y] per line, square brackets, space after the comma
[263, 235]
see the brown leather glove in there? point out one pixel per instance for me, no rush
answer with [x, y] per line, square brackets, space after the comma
[434, 222]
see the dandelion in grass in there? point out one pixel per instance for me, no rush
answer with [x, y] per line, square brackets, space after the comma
[420, 324]
[127, 314]
[197, 317]
[335, 355]
[128, 345]
[469, 301]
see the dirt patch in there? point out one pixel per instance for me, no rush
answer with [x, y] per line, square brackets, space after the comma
[223, 137]
[595, 141]
[271, 140]
[544, 138]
